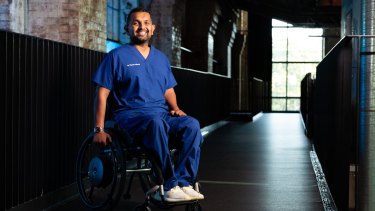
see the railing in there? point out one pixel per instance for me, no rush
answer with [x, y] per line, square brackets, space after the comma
[334, 119]
[206, 96]
[258, 96]
[46, 112]
[306, 106]
[343, 120]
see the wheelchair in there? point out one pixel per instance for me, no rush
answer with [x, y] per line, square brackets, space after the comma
[101, 173]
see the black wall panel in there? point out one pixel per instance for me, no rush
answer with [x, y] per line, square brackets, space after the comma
[46, 111]
[333, 119]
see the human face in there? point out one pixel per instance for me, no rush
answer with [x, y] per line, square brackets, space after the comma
[140, 28]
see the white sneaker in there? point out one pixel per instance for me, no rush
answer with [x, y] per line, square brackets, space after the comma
[192, 193]
[176, 195]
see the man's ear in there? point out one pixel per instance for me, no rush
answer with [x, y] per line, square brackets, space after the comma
[153, 27]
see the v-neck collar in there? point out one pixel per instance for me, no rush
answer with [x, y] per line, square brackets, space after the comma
[148, 58]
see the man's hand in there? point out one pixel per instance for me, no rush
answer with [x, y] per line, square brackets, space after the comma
[170, 97]
[101, 138]
[178, 113]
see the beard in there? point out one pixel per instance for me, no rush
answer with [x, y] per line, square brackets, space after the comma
[139, 41]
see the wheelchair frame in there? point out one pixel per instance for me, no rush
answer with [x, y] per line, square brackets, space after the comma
[101, 173]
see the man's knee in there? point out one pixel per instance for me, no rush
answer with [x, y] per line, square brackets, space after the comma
[157, 123]
[190, 124]
[155, 136]
[194, 124]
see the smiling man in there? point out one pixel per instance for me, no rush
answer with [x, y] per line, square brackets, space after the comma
[140, 80]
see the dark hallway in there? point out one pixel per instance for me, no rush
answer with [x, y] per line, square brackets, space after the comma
[259, 165]
[290, 83]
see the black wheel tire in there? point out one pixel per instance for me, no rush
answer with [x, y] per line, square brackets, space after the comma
[142, 208]
[100, 174]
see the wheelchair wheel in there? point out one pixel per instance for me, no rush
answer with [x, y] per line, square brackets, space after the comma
[142, 208]
[100, 173]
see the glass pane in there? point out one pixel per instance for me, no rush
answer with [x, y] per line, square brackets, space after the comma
[279, 44]
[115, 4]
[303, 45]
[276, 22]
[278, 80]
[109, 23]
[278, 104]
[115, 25]
[296, 72]
[293, 104]
[109, 3]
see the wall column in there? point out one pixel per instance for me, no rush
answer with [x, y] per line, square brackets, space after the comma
[201, 21]
[224, 38]
[366, 133]
[240, 84]
[167, 36]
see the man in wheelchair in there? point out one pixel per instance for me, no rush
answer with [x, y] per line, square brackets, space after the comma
[140, 80]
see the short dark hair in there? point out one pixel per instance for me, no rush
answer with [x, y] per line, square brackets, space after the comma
[137, 9]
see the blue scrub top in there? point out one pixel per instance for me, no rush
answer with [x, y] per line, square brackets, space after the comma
[137, 84]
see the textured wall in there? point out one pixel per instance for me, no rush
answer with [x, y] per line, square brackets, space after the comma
[168, 16]
[80, 22]
[12, 15]
[54, 20]
[92, 24]
[76, 22]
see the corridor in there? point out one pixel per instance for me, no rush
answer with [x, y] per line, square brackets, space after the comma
[259, 165]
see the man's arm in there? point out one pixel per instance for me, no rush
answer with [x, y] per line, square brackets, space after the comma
[171, 99]
[100, 104]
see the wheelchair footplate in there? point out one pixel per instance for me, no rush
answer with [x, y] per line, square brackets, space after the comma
[191, 205]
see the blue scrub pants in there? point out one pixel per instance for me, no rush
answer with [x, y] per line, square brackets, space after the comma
[156, 130]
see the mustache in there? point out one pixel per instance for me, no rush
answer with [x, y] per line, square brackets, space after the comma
[139, 30]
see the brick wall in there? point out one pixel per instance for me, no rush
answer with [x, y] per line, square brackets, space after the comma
[161, 17]
[168, 15]
[92, 24]
[54, 20]
[75, 22]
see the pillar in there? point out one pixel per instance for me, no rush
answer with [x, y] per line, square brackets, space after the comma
[224, 38]
[366, 133]
[168, 16]
[201, 21]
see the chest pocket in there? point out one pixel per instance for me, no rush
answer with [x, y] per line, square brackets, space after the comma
[142, 82]
[131, 72]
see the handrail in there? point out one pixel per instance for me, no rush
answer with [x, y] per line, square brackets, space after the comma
[199, 71]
